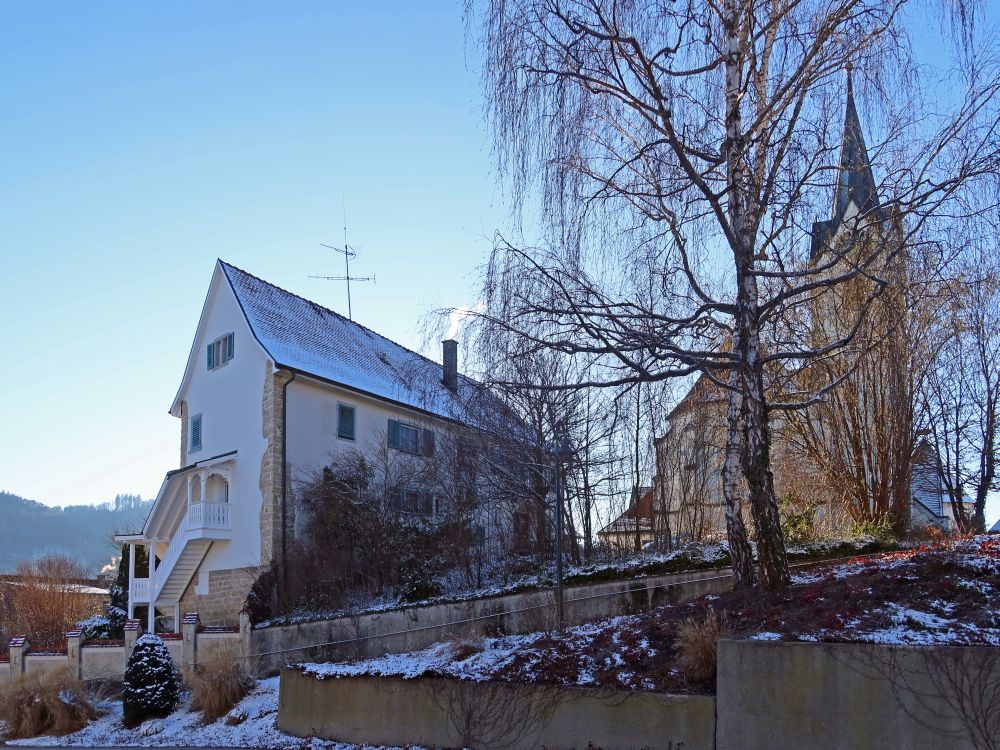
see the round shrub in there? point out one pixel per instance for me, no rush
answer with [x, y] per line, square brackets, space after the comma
[152, 685]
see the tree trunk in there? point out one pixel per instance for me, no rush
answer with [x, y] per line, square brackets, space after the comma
[755, 457]
[736, 532]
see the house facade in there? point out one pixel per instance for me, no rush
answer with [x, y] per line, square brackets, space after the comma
[275, 388]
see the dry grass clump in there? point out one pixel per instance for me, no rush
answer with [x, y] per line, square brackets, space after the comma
[219, 683]
[463, 649]
[45, 703]
[696, 646]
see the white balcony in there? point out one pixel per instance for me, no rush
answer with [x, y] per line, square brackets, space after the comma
[139, 590]
[212, 520]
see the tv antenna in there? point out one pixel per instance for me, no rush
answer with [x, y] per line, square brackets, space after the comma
[348, 252]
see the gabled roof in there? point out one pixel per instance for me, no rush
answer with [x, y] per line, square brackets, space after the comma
[855, 182]
[307, 338]
[995, 528]
[640, 513]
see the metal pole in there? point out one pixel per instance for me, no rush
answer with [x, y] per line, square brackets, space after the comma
[559, 544]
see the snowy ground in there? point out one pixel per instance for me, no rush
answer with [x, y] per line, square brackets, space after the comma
[948, 594]
[499, 581]
[250, 724]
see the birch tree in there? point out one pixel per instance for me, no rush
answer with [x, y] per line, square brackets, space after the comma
[675, 154]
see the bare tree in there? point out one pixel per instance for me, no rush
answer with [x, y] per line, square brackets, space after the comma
[679, 149]
[961, 400]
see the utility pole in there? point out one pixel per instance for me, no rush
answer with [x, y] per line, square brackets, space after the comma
[561, 449]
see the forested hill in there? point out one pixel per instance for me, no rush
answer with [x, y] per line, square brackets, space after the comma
[29, 530]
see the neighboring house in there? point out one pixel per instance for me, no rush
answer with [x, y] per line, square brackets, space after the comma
[690, 452]
[636, 523]
[275, 388]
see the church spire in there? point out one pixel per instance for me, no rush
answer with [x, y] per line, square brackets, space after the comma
[855, 182]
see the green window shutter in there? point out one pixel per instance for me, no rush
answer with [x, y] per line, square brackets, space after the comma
[393, 433]
[345, 421]
[196, 432]
[229, 345]
[211, 356]
[428, 439]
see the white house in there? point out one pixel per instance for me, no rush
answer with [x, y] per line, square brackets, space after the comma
[274, 387]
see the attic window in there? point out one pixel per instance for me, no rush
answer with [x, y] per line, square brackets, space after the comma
[220, 351]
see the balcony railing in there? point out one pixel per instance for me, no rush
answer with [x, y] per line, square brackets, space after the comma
[139, 590]
[208, 516]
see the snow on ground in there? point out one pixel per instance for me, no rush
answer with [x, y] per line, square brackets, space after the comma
[500, 581]
[250, 724]
[481, 659]
[949, 594]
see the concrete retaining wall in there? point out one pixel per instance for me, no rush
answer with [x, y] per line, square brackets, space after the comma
[771, 696]
[777, 695]
[454, 713]
[398, 631]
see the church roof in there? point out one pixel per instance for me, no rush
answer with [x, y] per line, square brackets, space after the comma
[855, 181]
[307, 338]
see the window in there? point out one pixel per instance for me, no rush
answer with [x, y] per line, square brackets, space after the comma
[345, 421]
[196, 433]
[220, 351]
[410, 439]
[408, 500]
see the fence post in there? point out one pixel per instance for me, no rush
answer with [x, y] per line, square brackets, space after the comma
[189, 633]
[132, 628]
[19, 647]
[74, 659]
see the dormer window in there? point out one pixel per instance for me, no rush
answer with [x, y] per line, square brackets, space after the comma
[220, 351]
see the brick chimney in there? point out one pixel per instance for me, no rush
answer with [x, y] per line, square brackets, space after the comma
[449, 358]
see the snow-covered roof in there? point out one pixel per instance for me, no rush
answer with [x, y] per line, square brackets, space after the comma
[995, 528]
[308, 338]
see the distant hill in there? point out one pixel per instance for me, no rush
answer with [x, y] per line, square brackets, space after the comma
[29, 530]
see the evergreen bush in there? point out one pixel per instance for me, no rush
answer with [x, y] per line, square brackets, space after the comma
[151, 686]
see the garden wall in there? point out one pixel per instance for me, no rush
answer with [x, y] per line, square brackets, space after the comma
[771, 696]
[414, 628]
[778, 695]
[105, 660]
[453, 713]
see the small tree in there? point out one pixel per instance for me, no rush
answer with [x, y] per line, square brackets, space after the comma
[152, 685]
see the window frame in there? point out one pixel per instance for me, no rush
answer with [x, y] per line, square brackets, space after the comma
[423, 444]
[221, 351]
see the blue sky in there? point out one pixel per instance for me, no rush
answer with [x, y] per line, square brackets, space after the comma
[140, 141]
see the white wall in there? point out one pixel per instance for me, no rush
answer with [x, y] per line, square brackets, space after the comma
[312, 425]
[230, 400]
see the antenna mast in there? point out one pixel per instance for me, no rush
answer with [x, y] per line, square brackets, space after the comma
[348, 252]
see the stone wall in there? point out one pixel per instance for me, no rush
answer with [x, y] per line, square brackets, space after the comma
[271, 468]
[401, 630]
[105, 661]
[227, 592]
[184, 433]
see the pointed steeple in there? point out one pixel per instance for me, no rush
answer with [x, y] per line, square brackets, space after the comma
[855, 182]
